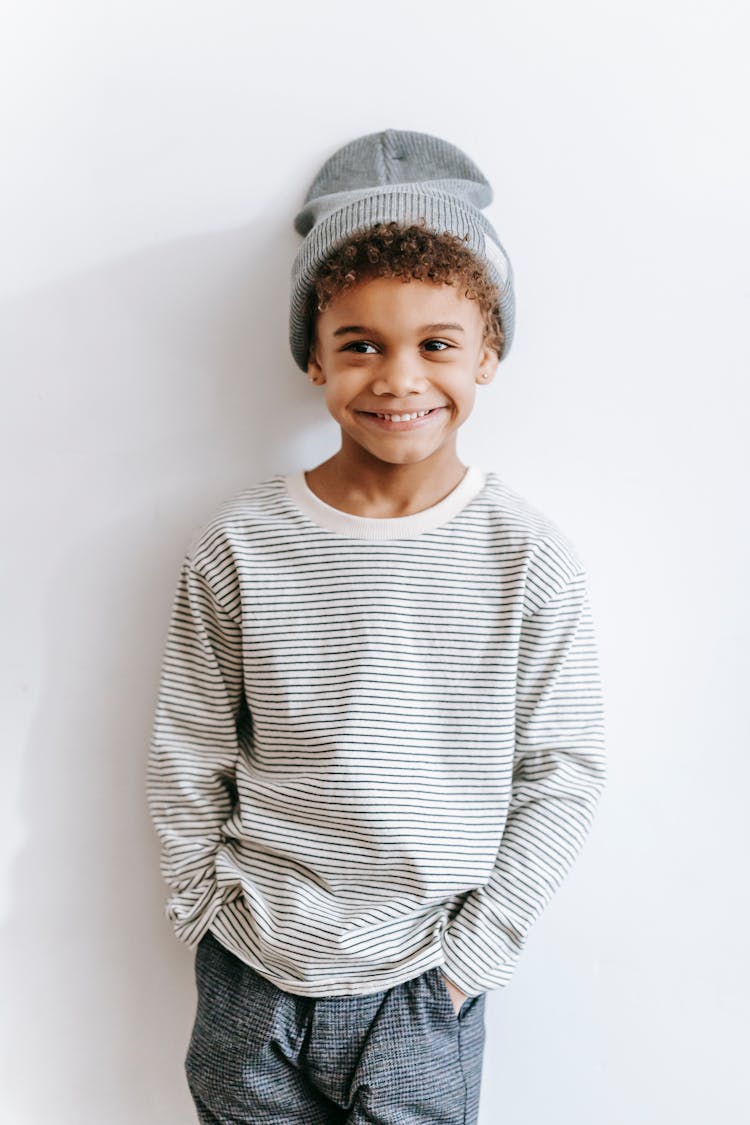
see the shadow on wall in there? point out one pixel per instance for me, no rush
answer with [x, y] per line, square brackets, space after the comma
[152, 390]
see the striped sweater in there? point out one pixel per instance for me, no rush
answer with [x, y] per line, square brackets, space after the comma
[379, 743]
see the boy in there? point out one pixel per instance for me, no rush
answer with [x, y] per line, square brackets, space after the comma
[379, 740]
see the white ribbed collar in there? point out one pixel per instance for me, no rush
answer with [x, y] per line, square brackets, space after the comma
[398, 527]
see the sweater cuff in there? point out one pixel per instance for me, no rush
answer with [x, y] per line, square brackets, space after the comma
[453, 972]
[192, 912]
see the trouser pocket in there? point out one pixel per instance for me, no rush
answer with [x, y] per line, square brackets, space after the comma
[468, 1005]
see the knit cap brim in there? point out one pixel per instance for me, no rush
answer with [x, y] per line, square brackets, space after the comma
[403, 176]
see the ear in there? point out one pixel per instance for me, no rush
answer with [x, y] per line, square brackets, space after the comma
[487, 365]
[314, 371]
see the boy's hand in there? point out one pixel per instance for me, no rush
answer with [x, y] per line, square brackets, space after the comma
[457, 996]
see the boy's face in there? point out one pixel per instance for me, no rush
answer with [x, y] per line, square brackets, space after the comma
[389, 347]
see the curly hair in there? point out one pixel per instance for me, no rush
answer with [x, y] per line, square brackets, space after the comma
[407, 251]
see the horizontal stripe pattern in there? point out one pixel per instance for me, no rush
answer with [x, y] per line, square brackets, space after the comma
[372, 757]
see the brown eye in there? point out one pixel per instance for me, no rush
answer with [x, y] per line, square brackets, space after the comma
[358, 344]
[441, 345]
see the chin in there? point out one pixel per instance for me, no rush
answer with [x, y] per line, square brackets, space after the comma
[406, 458]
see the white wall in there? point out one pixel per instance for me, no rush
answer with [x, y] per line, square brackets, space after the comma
[154, 154]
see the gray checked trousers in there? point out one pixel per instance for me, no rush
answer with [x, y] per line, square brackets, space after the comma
[262, 1056]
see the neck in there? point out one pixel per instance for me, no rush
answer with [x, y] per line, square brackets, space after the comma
[375, 489]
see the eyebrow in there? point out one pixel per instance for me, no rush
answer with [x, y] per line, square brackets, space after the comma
[360, 330]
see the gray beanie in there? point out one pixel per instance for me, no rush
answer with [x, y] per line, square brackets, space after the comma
[402, 176]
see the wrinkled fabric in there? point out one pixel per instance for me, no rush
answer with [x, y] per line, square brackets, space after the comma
[263, 1056]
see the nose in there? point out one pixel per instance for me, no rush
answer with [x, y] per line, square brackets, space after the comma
[399, 375]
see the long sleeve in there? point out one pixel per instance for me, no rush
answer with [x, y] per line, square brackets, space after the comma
[378, 744]
[191, 769]
[558, 776]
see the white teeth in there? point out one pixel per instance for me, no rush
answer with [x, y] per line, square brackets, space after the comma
[404, 417]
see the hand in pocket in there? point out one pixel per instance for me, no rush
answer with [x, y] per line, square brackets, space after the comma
[456, 995]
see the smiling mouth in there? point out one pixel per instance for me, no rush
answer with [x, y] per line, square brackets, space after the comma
[405, 417]
[395, 423]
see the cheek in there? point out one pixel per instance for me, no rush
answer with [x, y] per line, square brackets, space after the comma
[343, 387]
[336, 397]
[464, 393]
